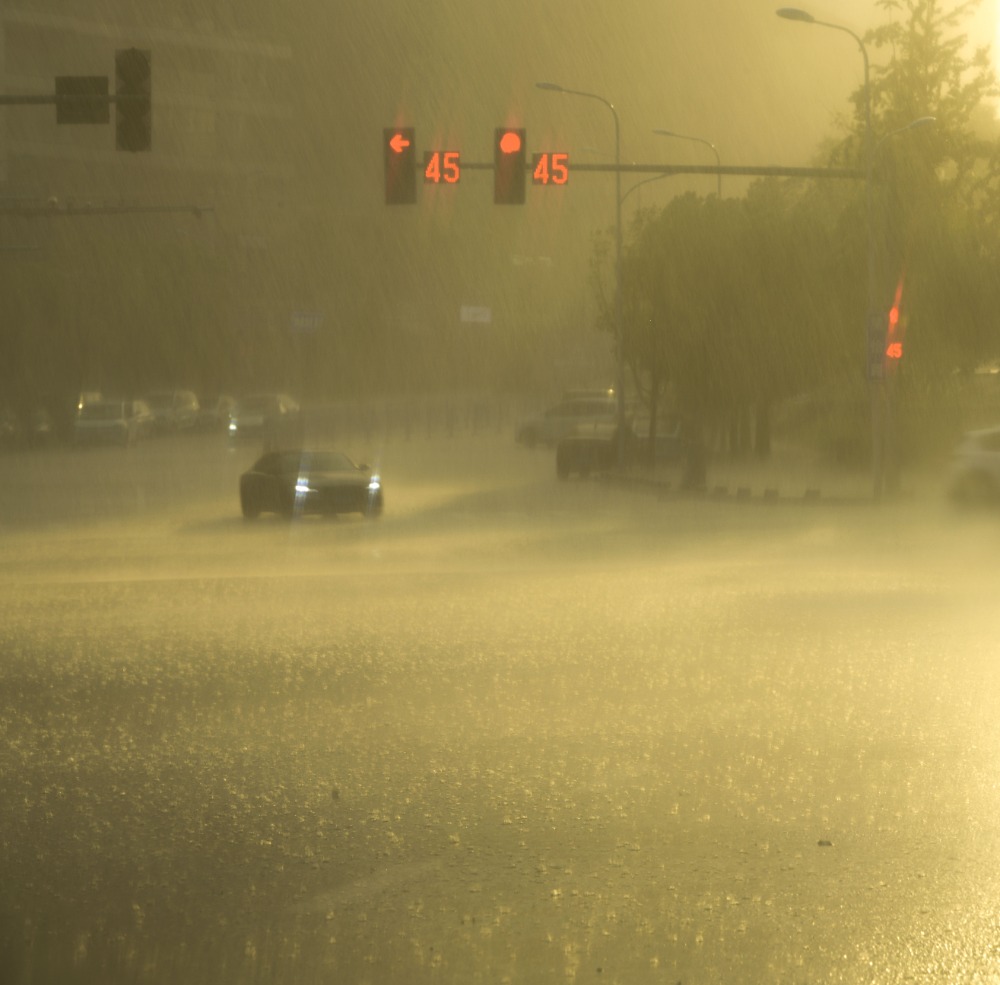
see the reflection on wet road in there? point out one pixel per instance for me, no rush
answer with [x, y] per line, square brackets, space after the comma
[515, 730]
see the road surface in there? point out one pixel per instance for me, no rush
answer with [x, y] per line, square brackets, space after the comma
[515, 731]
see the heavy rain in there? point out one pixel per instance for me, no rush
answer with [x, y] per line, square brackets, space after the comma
[647, 632]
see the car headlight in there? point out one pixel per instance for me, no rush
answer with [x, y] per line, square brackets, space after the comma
[374, 484]
[302, 487]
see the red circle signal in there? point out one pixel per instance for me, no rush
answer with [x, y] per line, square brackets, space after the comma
[510, 142]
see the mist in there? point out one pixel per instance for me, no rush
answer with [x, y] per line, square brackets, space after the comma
[715, 704]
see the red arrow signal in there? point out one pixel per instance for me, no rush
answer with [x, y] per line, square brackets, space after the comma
[399, 143]
[400, 160]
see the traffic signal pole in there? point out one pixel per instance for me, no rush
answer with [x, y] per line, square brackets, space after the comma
[85, 99]
[62, 99]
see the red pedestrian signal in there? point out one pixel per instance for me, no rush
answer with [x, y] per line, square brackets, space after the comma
[509, 166]
[400, 155]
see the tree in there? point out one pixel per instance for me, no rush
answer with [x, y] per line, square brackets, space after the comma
[743, 303]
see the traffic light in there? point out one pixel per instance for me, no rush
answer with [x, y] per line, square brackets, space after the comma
[508, 166]
[400, 153]
[895, 329]
[133, 100]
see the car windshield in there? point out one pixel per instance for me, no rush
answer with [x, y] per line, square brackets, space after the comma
[255, 405]
[324, 461]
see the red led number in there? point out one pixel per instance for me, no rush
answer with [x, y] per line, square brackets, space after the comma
[442, 166]
[550, 169]
[894, 350]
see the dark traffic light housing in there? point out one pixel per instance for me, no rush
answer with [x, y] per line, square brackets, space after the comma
[509, 166]
[133, 100]
[400, 153]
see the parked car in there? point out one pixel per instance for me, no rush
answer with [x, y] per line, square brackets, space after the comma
[586, 450]
[39, 428]
[602, 393]
[11, 429]
[215, 411]
[566, 417]
[293, 483]
[121, 422]
[272, 419]
[173, 410]
[975, 468]
[594, 448]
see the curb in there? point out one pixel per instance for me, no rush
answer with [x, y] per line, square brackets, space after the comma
[722, 493]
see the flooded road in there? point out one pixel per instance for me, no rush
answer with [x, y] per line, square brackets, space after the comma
[515, 731]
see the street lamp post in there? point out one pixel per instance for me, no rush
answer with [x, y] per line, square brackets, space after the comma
[697, 140]
[873, 324]
[619, 320]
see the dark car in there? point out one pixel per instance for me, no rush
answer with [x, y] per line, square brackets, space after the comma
[975, 468]
[594, 448]
[272, 419]
[565, 418]
[586, 450]
[294, 483]
[215, 412]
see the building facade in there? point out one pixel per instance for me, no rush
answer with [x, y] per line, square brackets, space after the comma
[126, 270]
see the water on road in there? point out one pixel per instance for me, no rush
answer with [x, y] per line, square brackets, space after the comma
[515, 731]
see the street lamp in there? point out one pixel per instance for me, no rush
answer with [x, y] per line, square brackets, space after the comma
[619, 327]
[873, 323]
[698, 140]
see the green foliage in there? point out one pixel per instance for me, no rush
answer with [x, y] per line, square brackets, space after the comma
[731, 301]
[750, 301]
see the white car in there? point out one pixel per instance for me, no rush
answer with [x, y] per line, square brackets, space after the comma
[112, 422]
[272, 419]
[975, 469]
[173, 410]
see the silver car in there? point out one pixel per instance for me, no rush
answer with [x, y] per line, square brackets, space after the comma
[173, 410]
[273, 420]
[112, 422]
